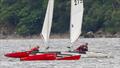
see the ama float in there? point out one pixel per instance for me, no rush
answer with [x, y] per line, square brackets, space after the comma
[76, 18]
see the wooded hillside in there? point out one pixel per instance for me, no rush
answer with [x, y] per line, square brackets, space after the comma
[25, 17]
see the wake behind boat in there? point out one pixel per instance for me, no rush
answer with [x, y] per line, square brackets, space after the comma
[96, 55]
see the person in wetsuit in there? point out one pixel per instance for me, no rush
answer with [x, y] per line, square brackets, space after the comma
[35, 50]
[82, 49]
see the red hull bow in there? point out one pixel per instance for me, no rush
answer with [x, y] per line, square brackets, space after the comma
[17, 54]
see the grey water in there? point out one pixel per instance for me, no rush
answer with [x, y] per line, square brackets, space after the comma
[105, 45]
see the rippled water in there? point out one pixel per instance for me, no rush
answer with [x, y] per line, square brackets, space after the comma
[105, 45]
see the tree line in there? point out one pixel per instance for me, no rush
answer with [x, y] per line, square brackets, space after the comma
[25, 17]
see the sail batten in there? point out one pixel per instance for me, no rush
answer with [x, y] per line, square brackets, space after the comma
[48, 21]
[76, 19]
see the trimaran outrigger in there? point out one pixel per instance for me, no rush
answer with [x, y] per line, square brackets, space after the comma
[75, 31]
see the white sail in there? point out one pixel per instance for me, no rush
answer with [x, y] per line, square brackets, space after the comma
[76, 19]
[48, 20]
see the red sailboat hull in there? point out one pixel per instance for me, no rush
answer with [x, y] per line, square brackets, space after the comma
[49, 56]
[76, 57]
[18, 54]
[55, 55]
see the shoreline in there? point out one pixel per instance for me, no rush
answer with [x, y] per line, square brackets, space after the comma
[17, 39]
[61, 36]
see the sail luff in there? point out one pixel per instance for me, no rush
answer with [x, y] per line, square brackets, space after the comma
[76, 19]
[48, 21]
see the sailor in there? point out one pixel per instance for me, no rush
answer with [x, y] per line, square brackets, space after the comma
[82, 49]
[35, 50]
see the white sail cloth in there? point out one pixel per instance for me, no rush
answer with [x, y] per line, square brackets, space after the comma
[76, 19]
[48, 21]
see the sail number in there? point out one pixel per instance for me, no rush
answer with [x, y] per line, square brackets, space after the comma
[78, 2]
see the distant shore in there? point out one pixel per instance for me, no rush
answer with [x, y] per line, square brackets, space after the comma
[61, 36]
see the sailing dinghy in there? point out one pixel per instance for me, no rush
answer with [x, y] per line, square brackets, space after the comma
[75, 31]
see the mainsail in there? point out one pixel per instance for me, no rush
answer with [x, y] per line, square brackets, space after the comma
[48, 20]
[76, 19]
